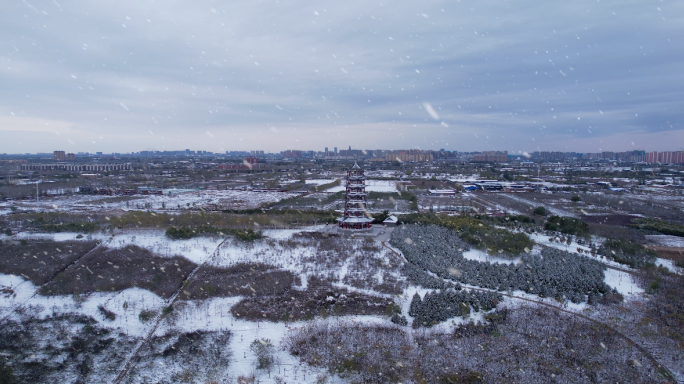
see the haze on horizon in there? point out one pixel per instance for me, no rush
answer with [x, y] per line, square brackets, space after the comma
[121, 76]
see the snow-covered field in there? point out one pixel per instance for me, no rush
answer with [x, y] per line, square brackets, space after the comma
[280, 249]
[372, 186]
[194, 315]
[196, 249]
[666, 240]
[549, 208]
[60, 236]
[319, 181]
[209, 199]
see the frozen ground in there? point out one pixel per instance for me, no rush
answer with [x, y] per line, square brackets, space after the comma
[549, 208]
[371, 186]
[196, 249]
[209, 199]
[623, 282]
[305, 258]
[573, 247]
[61, 236]
[666, 240]
[383, 173]
[214, 314]
[319, 181]
[191, 315]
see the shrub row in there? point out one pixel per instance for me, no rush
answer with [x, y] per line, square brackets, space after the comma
[418, 276]
[629, 253]
[62, 222]
[475, 232]
[496, 240]
[568, 225]
[182, 233]
[661, 226]
[554, 273]
[323, 187]
[439, 306]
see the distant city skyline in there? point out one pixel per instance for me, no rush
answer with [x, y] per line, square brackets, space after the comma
[520, 76]
[66, 156]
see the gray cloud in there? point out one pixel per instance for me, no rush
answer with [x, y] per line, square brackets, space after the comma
[125, 75]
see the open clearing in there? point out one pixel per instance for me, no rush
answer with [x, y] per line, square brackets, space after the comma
[281, 289]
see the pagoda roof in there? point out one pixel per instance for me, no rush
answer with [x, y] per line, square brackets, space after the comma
[391, 219]
[355, 220]
[356, 165]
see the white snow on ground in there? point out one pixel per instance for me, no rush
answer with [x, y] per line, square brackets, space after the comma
[546, 240]
[508, 301]
[478, 255]
[300, 260]
[404, 301]
[622, 281]
[127, 305]
[319, 181]
[549, 208]
[209, 199]
[282, 234]
[273, 253]
[196, 249]
[666, 240]
[489, 205]
[669, 264]
[515, 302]
[383, 173]
[371, 186]
[214, 314]
[61, 236]
[14, 290]
[126, 321]
[572, 248]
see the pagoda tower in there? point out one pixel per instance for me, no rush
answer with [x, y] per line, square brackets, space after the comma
[354, 217]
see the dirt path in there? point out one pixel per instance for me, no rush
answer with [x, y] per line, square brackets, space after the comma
[157, 321]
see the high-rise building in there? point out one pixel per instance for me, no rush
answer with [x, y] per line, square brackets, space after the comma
[492, 156]
[292, 153]
[59, 156]
[665, 157]
[70, 157]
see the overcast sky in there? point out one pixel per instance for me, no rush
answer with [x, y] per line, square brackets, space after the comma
[121, 76]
